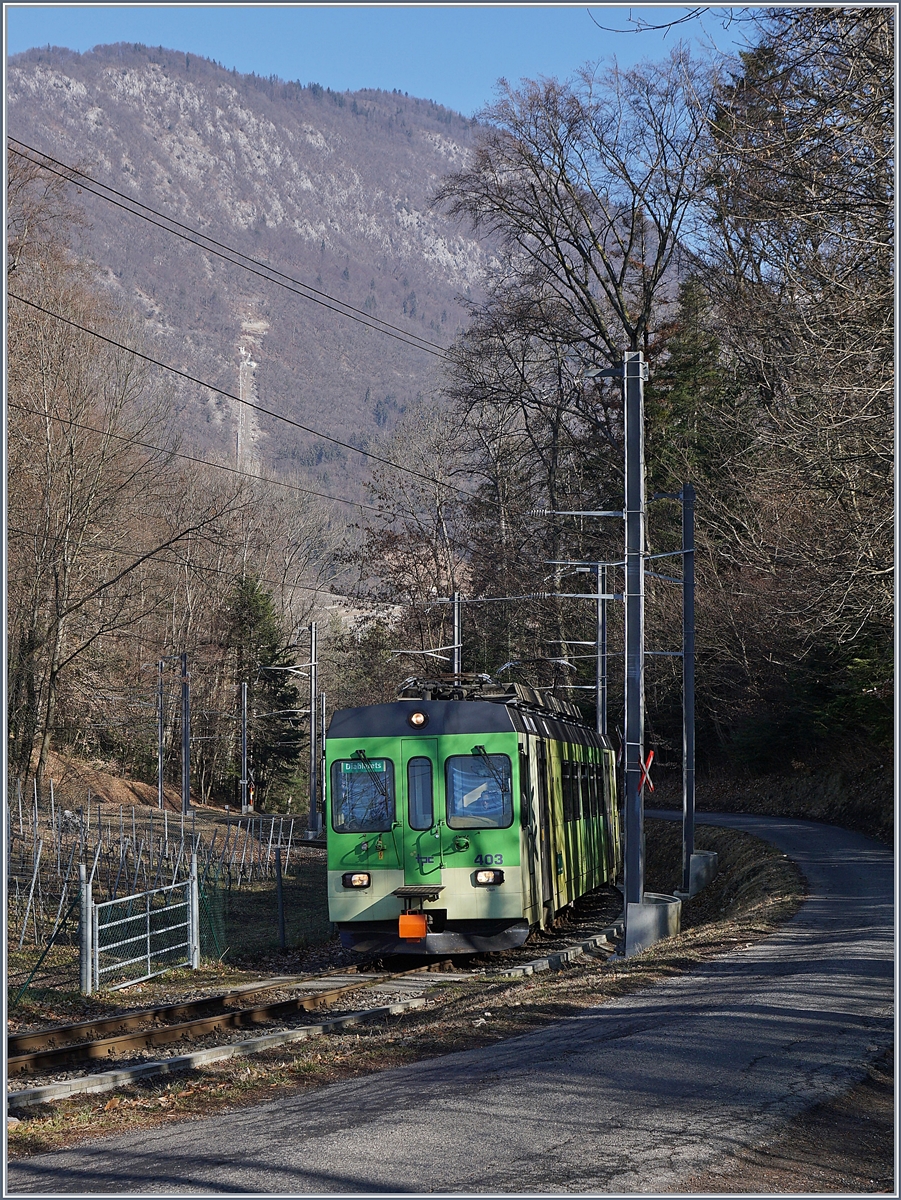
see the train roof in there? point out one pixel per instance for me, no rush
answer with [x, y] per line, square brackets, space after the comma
[467, 704]
[483, 687]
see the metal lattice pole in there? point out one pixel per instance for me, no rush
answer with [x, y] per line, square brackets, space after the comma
[601, 675]
[313, 823]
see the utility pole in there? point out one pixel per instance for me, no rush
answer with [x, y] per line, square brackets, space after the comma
[688, 682]
[313, 823]
[458, 634]
[244, 777]
[601, 672]
[322, 779]
[185, 736]
[159, 738]
[634, 372]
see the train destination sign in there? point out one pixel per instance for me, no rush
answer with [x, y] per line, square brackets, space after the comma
[350, 767]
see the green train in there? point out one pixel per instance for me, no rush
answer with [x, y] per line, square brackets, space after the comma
[463, 815]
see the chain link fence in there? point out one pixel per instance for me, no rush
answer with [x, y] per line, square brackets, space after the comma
[239, 922]
[131, 850]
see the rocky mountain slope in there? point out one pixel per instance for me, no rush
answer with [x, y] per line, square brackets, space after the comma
[329, 188]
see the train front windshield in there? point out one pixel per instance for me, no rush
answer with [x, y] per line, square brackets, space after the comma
[479, 791]
[362, 795]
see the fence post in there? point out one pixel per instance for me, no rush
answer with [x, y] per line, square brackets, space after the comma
[95, 943]
[280, 897]
[194, 915]
[84, 930]
[34, 879]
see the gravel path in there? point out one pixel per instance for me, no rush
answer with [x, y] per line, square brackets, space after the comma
[629, 1098]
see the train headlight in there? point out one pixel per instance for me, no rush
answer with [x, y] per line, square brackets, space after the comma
[418, 719]
[356, 879]
[487, 878]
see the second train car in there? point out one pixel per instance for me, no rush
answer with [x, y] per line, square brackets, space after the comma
[463, 815]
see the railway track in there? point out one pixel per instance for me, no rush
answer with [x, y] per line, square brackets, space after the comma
[144, 1029]
[99, 1055]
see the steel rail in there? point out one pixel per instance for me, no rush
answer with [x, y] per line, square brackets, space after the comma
[34, 1051]
[16, 1043]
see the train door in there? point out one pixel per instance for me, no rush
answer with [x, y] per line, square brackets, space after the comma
[545, 834]
[418, 813]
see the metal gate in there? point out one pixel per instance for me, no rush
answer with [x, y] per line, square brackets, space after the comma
[134, 938]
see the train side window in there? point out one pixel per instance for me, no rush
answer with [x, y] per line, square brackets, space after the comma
[479, 791]
[420, 803]
[525, 787]
[578, 782]
[566, 780]
[362, 795]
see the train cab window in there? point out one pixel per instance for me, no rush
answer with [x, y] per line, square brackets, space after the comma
[362, 795]
[420, 804]
[479, 791]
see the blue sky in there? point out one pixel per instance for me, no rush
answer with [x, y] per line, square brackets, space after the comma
[452, 54]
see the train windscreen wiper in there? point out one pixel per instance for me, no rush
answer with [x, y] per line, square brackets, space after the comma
[481, 752]
[360, 756]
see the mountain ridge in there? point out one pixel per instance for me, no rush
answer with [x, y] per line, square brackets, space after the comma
[332, 188]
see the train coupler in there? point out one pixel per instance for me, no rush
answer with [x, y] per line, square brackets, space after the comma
[412, 926]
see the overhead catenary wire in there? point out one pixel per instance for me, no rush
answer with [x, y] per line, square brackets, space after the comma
[222, 250]
[200, 568]
[280, 279]
[426, 601]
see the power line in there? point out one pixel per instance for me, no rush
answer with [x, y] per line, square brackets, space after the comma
[198, 568]
[191, 458]
[268, 412]
[222, 250]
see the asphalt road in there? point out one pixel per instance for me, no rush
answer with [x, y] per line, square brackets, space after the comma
[628, 1098]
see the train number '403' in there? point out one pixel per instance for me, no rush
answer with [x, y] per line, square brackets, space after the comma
[489, 860]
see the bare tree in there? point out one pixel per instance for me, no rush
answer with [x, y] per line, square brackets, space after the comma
[91, 493]
[592, 183]
[800, 267]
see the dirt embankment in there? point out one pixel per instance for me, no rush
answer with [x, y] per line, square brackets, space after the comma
[75, 782]
[860, 799]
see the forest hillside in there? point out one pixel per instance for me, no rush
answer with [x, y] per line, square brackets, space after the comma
[730, 220]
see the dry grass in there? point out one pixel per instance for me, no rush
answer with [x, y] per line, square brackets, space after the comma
[845, 1146]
